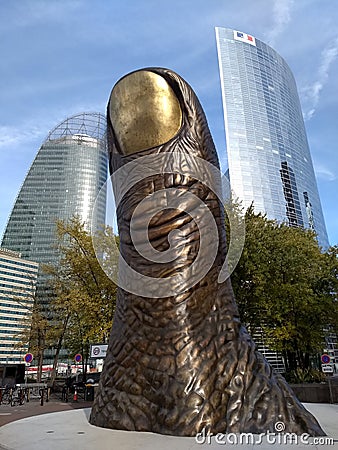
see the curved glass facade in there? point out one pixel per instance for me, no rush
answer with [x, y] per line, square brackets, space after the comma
[268, 154]
[64, 179]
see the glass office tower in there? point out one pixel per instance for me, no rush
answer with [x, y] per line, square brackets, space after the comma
[64, 179]
[268, 154]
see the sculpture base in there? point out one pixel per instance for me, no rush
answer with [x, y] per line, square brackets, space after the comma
[70, 430]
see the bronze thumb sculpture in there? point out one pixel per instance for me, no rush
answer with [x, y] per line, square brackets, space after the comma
[179, 360]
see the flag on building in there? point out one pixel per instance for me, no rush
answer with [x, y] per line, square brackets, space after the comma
[243, 37]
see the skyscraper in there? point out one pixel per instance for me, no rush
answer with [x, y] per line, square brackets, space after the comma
[268, 154]
[64, 179]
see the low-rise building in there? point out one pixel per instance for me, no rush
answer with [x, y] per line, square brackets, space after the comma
[17, 293]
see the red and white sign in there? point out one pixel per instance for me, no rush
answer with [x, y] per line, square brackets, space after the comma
[34, 369]
[243, 37]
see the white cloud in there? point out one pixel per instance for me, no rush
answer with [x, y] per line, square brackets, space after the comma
[32, 135]
[281, 16]
[13, 136]
[311, 93]
[324, 173]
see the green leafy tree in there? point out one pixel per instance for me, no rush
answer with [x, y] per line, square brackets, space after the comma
[329, 284]
[285, 286]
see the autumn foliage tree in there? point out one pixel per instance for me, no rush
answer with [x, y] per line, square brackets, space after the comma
[84, 303]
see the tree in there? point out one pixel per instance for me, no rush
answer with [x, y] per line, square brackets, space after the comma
[285, 285]
[34, 326]
[329, 283]
[37, 337]
[84, 303]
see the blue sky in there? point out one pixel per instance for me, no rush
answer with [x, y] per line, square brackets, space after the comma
[62, 57]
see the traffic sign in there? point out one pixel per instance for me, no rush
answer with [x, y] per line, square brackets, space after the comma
[98, 350]
[325, 358]
[28, 358]
[327, 369]
[78, 358]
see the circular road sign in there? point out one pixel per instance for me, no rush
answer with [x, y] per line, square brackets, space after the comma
[78, 357]
[96, 351]
[325, 358]
[28, 358]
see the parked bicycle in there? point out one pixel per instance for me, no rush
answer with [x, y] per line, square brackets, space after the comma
[6, 393]
[18, 396]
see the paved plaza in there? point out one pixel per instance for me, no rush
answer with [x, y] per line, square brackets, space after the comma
[69, 429]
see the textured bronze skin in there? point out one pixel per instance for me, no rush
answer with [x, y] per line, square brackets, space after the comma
[178, 364]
